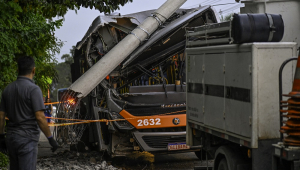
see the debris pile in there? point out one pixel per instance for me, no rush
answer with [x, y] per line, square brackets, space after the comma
[69, 160]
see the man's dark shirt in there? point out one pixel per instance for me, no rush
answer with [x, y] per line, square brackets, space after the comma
[20, 100]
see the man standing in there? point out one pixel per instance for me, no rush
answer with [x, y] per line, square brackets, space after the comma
[48, 109]
[22, 103]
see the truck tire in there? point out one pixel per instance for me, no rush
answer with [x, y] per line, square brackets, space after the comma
[223, 165]
[203, 153]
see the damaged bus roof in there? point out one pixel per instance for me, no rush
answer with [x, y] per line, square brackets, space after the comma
[129, 22]
[106, 31]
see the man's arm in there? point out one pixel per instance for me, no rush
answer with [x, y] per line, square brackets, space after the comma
[2, 122]
[42, 122]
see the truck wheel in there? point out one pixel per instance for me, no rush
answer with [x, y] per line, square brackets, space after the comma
[223, 165]
[199, 153]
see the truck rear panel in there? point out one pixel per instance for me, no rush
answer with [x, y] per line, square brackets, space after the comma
[230, 90]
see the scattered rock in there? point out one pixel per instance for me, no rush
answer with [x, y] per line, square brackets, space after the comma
[93, 160]
[68, 160]
[103, 164]
[110, 167]
[48, 163]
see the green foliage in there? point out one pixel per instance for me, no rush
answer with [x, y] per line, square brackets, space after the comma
[64, 74]
[226, 17]
[25, 31]
[3, 161]
[68, 59]
[27, 28]
[52, 8]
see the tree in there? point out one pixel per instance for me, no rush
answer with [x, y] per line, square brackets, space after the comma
[27, 28]
[52, 8]
[226, 18]
[69, 57]
[25, 31]
[64, 74]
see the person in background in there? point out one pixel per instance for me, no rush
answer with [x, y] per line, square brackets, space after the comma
[22, 102]
[48, 110]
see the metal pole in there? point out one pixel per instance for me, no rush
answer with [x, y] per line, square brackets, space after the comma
[89, 80]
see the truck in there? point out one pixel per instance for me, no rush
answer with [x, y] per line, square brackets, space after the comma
[147, 88]
[240, 100]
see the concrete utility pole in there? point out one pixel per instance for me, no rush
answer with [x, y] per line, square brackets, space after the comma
[89, 80]
[289, 9]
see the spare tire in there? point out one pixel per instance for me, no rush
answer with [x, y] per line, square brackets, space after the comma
[257, 28]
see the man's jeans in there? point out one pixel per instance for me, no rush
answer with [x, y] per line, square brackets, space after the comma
[22, 152]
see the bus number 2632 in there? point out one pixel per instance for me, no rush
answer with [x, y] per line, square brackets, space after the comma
[150, 122]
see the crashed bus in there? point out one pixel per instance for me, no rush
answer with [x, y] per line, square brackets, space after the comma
[147, 89]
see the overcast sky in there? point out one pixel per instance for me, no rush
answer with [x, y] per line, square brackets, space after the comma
[76, 25]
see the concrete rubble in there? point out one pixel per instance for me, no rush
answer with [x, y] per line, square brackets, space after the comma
[68, 160]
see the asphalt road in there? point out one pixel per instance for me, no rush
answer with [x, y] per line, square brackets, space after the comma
[44, 146]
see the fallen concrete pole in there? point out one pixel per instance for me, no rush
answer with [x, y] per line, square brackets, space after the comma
[89, 80]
